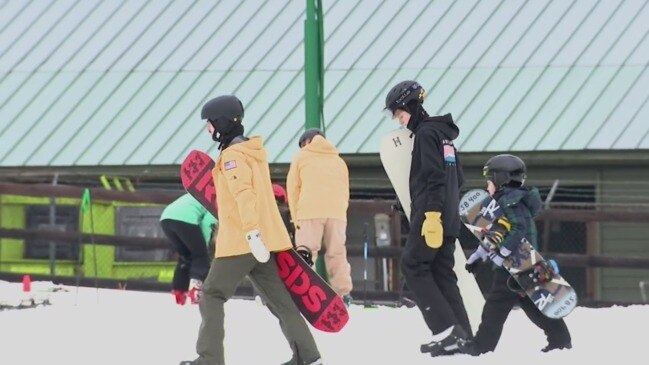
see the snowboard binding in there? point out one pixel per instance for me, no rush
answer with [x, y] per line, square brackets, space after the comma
[540, 273]
[306, 254]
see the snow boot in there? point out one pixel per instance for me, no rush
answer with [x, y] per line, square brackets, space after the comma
[295, 361]
[448, 344]
[469, 347]
[556, 346]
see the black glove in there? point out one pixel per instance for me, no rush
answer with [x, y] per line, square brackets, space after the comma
[472, 267]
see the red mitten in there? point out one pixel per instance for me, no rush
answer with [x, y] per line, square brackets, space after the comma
[181, 296]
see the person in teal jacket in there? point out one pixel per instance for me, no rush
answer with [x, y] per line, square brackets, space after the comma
[189, 226]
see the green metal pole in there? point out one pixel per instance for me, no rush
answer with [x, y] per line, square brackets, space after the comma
[312, 65]
[313, 77]
[321, 65]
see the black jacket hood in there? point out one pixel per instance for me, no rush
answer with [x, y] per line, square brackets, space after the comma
[443, 123]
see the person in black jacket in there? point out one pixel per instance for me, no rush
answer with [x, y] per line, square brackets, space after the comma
[435, 178]
[505, 176]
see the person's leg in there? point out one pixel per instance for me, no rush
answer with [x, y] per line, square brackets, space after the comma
[266, 279]
[194, 243]
[499, 303]
[180, 280]
[416, 259]
[338, 268]
[555, 330]
[442, 269]
[219, 286]
[309, 233]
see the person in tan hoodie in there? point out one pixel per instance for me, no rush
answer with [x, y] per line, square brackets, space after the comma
[250, 232]
[318, 197]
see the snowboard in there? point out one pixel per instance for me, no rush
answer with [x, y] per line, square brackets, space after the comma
[537, 277]
[396, 156]
[316, 300]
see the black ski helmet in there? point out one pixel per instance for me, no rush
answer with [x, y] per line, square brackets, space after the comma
[403, 94]
[225, 114]
[223, 107]
[503, 169]
[309, 134]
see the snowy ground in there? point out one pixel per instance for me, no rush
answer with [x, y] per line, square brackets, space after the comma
[128, 327]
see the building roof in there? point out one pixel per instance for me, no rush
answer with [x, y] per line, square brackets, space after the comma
[121, 82]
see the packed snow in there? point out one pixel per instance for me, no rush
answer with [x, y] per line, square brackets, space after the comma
[105, 326]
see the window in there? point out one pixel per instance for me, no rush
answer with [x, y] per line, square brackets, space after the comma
[140, 222]
[52, 218]
[567, 236]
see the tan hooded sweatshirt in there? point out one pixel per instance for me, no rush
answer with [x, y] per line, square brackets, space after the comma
[318, 182]
[246, 201]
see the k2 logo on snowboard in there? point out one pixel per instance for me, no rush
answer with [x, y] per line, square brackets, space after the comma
[489, 211]
[197, 173]
[542, 299]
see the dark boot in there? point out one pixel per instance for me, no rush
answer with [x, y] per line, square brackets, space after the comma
[348, 300]
[557, 346]
[448, 345]
[296, 361]
[469, 347]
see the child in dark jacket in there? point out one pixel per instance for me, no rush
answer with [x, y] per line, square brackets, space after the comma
[505, 176]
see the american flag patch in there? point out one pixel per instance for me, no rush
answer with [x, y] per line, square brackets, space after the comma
[229, 165]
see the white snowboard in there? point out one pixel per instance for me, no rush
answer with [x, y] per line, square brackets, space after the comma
[396, 154]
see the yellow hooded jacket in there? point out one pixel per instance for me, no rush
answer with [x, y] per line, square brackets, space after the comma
[318, 182]
[246, 201]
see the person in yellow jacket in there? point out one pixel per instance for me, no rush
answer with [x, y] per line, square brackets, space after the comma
[250, 231]
[318, 196]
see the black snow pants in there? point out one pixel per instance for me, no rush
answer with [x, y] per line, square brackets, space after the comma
[429, 275]
[500, 301]
[193, 258]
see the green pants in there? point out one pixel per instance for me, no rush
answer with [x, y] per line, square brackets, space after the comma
[224, 276]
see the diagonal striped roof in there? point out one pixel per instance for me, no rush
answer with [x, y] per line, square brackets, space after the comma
[121, 82]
